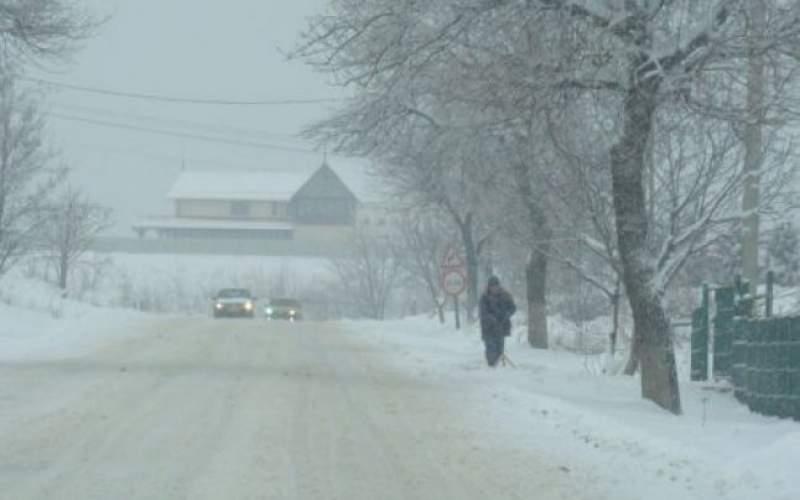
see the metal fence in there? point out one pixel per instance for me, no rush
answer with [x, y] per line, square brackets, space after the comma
[700, 339]
[766, 365]
[760, 356]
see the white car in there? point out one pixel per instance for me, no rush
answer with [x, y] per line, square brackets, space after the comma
[234, 302]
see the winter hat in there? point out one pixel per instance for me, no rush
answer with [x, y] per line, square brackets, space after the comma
[494, 281]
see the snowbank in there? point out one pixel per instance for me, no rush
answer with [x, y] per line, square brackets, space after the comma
[37, 323]
[560, 401]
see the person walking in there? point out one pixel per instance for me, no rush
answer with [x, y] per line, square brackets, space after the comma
[496, 309]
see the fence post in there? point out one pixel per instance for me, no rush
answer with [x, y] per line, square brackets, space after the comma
[710, 308]
[770, 293]
[726, 311]
[700, 339]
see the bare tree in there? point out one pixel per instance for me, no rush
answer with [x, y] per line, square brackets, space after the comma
[72, 228]
[30, 31]
[650, 60]
[26, 176]
[40, 30]
[421, 243]
[638, 59]
[692, 195]
[430, 165]
[369, 276]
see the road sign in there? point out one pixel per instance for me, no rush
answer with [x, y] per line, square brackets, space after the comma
[454, 282]
[452, 260]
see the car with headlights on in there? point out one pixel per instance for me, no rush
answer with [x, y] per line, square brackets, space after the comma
[234, 303]
[285, 309]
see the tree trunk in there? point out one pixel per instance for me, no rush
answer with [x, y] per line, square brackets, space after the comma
[628, 160]
[656, 353]
[434, 293]
[536, 280]
[440, 311]
[632, 366]
[536, 269]
[473, 265]
[63, 271]
[615, 320]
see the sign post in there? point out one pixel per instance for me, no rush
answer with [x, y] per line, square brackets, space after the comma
[457, 312]
[454, 280]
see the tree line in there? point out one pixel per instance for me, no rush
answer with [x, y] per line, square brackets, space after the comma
[41, 214]
[624, 139]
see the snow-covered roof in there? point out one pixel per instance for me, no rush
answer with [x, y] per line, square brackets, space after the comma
[187, 223]
[272, 185]
[355, 174]
[249, 185]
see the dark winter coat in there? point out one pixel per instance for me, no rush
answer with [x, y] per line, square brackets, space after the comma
[496, 310]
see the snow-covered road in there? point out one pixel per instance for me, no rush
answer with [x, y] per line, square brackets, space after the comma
[203, 409]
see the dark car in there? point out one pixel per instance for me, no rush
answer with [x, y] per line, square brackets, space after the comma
[287, 309]
[233, 303]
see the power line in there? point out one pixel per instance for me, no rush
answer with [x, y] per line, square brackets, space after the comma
[176, 99]
[183, 135]
[171, 122]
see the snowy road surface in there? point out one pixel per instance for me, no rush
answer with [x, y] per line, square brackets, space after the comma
[198, 409]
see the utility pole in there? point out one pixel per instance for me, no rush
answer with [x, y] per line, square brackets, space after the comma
[753, 144]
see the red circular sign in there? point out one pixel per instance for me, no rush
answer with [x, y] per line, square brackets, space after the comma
[454, 282]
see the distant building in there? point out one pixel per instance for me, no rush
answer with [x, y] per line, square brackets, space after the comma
[257, 205]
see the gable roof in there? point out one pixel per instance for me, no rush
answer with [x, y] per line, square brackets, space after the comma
[272, 185]
[321, 183]
[238, 185]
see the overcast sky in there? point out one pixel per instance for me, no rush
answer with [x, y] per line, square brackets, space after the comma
[193, 49]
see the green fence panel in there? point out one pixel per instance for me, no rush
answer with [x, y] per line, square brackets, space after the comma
[766, 370]
[761, 356]
[739, 371]
[723, 330]
[699, 358]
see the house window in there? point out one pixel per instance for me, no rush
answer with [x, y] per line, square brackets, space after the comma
[325, 211]
[240, 209]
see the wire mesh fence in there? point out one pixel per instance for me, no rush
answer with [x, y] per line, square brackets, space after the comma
[766, 365]
[760, 355]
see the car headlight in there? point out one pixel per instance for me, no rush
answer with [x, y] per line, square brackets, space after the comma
[269, 311]
[219, 305]
[248, 306]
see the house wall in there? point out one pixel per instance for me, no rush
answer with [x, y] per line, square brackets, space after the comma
[224, 234]
[324, 200]
[324, 211]
[223, 209]
[270, 210]
[320, 236]
[220, 246]
[376, 215]
[202, 209]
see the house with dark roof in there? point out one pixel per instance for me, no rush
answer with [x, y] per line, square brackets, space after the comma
[257, 205]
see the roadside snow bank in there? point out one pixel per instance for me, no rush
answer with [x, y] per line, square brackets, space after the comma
[36, 323]
[560, 401]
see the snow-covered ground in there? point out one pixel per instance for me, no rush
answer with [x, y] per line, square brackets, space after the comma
[560, 401]
[37, 323]
[183, 283]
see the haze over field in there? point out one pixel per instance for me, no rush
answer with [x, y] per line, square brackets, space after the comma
[188, 49]
[382, 249]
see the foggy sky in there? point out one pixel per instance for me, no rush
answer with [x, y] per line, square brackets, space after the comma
[186, 48]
